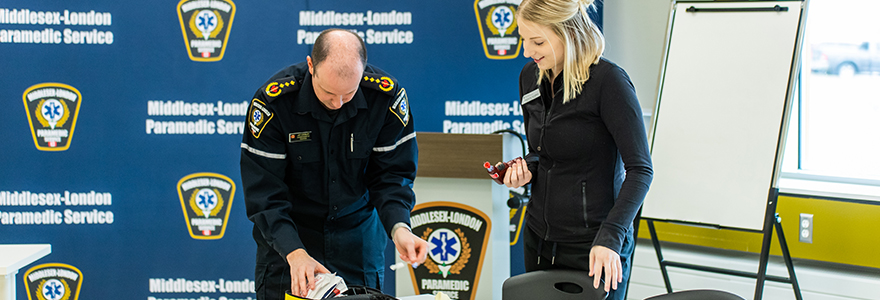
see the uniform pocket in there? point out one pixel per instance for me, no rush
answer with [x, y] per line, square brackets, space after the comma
[373, 279]
[303, 153]
[359, 149]
[260, 280]
[584, 203]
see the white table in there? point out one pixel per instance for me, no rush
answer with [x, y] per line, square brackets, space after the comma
[14, 257]
[418, 297]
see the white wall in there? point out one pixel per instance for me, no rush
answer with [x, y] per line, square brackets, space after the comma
[635, 34]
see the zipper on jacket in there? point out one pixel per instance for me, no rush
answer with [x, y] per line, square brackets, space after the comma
[546, 223]
[584, 198]
[549, 169]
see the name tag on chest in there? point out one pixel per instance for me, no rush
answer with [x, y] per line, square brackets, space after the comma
[531, 96]
[302, 136]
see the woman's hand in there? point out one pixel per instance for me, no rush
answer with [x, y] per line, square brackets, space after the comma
[518, 174]
[604, 259]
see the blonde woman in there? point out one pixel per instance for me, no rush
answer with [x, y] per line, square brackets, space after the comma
[588, 162]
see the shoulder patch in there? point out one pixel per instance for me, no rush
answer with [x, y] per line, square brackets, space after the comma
[400, 107]
[279, 87]
[258, 116]
[378, 82]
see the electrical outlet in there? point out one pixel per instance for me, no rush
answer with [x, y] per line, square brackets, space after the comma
[805, 233]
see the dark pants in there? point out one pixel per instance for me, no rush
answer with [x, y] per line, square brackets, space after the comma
[573, 256]
[353, 247]
[276, 280]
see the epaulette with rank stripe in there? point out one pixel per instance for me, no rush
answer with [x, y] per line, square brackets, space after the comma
[378, 82]
[279, 87]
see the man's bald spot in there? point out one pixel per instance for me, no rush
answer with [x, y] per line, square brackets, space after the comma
[339, 51]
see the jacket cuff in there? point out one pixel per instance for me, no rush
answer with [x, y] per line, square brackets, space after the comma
[399, 225]
[391, 216]
[533, 168]
[288, 243]
[610, 237]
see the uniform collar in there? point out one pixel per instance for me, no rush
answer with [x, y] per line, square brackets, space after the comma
[308, 103]
[558, 85]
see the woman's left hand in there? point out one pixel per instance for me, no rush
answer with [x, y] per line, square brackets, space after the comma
[518, 174]
[604, 259]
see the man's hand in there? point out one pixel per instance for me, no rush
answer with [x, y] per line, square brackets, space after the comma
[518, 174]
[604, 259]
[412, 249]
[302, 272]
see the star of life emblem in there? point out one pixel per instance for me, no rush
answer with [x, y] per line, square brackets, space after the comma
[444, 249]
[206, 22]
[52, 111]
[206, 200]
[258, 116]
[502, 18]
[53, 289]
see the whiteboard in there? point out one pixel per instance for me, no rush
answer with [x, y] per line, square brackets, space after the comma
[720, 112]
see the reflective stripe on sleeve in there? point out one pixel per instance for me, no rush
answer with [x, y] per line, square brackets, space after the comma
[392, 147]
[262, 153]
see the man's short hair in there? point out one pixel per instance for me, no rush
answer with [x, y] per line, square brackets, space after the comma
[321, 49]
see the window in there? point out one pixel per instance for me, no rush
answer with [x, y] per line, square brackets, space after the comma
[835, 126]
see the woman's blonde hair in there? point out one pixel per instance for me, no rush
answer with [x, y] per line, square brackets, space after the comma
[583, 41]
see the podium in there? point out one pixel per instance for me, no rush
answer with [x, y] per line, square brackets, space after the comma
[14, 257]
[450, 171]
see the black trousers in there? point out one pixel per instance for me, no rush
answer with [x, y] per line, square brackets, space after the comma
[273, 277]
[353, 247]
[573, 256]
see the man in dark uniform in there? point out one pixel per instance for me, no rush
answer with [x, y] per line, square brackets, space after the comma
[327, 163]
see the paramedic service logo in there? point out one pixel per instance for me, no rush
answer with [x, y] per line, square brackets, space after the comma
[52, 109]
[457, 237]
[498, 28]
[206, 199]
[400, 107]
[206, 25]
[53, 281]
[259, 117]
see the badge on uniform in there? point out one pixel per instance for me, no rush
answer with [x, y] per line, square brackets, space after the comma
[400, 108]
[276, 88]
[258, 117]
[531, 96]
[302, 136]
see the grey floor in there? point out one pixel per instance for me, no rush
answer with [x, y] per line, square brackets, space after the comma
[818, 280]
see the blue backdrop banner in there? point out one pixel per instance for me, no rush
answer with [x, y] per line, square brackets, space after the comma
[122, 124]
